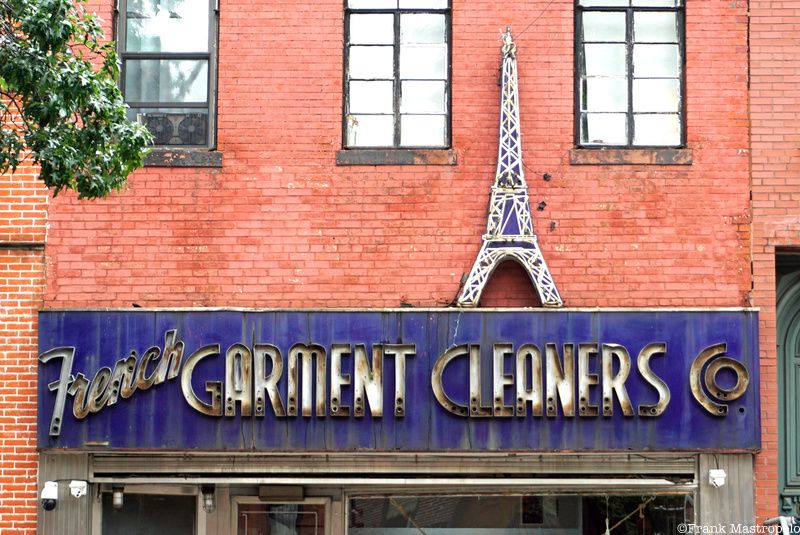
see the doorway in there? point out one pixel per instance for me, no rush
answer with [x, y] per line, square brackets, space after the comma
[311, 517]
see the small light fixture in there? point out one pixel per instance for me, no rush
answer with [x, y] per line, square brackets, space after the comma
[117, 493]
[209, 498]
[547, 177]
[541, 206]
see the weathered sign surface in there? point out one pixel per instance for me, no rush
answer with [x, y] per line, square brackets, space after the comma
[407, 380]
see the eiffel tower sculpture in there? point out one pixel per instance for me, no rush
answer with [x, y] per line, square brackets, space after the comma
[509, 229]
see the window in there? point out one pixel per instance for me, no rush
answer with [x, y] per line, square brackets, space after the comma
[150, 513]
[629, 64]
[167, 50]
[518, 515]
[397, 74]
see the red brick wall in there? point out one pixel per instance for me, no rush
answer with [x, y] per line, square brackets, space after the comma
[23, 211]
[774, 102]
[281, 225]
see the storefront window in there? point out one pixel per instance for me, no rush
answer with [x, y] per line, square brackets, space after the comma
[148, 514]
[511, 515]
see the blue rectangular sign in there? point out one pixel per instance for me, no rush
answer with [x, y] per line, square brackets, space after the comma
[400, 380]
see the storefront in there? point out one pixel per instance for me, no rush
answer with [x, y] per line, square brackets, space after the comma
[374, 422]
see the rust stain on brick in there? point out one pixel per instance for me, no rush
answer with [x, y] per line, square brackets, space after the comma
[667, 156]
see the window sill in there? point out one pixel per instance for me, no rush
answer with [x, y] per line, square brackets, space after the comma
[167, 157]
[611, 156]
[396, 157]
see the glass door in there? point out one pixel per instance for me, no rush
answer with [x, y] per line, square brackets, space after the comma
[280, 519]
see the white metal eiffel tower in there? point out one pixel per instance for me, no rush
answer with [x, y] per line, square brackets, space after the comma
[509, 229]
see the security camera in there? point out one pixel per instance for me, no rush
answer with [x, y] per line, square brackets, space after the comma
[716, 477]
[77, 488]
[49, 495]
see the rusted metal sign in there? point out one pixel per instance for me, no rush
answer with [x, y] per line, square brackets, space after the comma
[391, 380]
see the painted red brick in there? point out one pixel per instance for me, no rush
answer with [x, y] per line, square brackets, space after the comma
[280, 225]
[774, 74]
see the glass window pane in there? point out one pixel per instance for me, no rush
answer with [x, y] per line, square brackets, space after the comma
[167, 26]
[515, 515]
[656, 95]
[371, 97]
[657, 3]
[655, 61]
[655, 27]
[656, 130]
[605, 60]
[423, 61]
[604, 128]
[605, 94]
[372, 29]
[422, 97]
[152, 80]
[173, 126]
[603, 26]
[604, 3]
[422, 130]
[424, 4]
[145, 513]
[371, 62]
[370, 130]
[372, 4]
[422, 28]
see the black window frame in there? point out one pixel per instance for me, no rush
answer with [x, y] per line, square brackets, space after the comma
[211, 56]
[629, 10]
[396, 80]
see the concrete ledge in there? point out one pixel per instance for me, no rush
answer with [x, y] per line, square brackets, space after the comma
[167, 157]
[611, 156]
[396, 157]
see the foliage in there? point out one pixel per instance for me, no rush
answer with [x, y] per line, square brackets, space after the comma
[59, 100]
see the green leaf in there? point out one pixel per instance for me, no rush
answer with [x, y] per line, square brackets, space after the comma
[72, 113]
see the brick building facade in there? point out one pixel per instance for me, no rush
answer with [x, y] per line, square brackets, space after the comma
[281, 217]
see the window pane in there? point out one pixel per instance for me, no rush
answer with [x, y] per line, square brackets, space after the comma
[422, 28]
[164, 26]
[423, 61]
[370, 130]
[606, 3]
[655, 61]
[605, 60]
[656, 130]
[655, 27]
[603, 26]
[372, 4]
[422, 97]
[422, 130]
[372, 29]
[371, 62]
[425, 4]
[657, 3]
[371, 97]
[173, 80]
[604, 128]
[656, 95]
[605, 94]
[145, 513]
[173, 126]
